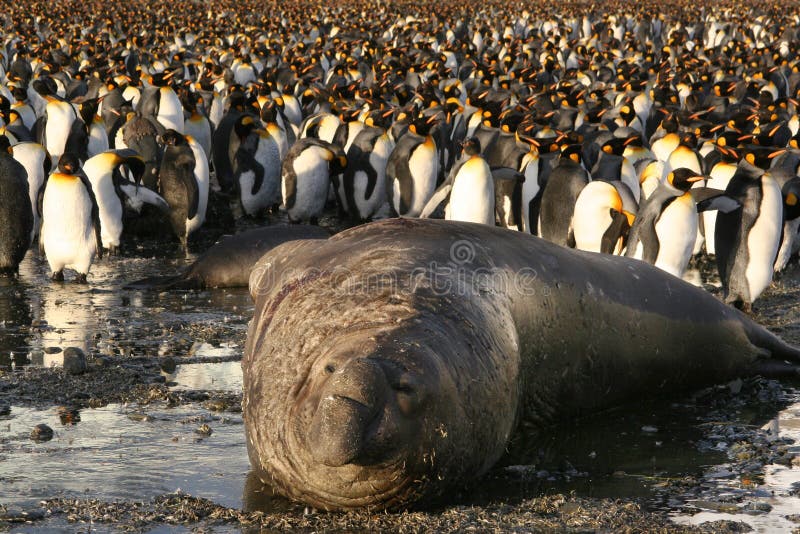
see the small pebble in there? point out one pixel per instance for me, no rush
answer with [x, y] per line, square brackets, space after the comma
[168, 365]
[42, 433]
[5, 409]
[52, 350]
[215, 405]
[74, 361]
[204, 430]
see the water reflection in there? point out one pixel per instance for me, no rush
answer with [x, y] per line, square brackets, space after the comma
[15, 317]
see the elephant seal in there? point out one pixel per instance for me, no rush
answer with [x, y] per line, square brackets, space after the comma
[229, 261]
[393, 361]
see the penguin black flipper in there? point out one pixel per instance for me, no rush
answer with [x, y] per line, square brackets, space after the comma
[651, 246]
[290, 185]
[618, 228]
[95, 213]
[258, 177]
[439, 196]
[502, 176]
[402, 173]
[709, 199]
[190, 183]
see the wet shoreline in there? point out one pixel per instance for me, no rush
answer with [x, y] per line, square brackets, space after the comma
[125, 387]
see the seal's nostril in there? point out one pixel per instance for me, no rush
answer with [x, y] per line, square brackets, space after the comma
[330, 369]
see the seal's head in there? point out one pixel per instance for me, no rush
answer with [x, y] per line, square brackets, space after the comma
[361, 393]
[368, 423]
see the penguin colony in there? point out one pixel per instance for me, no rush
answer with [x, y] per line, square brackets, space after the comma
[655, 131]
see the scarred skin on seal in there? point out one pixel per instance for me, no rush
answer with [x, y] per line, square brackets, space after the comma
[394, 360]
[229, 262]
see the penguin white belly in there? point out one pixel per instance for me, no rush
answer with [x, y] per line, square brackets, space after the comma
[328, 126]
[424, 168]
[26, 114]
[67, 231]
[170, 111]
[268, 156]
[108, 203]
[217, 110]
[530, 188]
[720, 176]
[676, 230]
[279, 135]
[292, 110]
[353, 130]
[763, 238]
[592, 215]
[472, 197]
[202, 176]
[367, 206]
[788, 244]
[98, 139]
[133, 94]
[311, 186]
[630, 178]
[60, 116]
[200, 129]
[32, 156]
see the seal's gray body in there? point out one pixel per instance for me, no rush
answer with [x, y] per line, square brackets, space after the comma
[394, 360]
[229, 262]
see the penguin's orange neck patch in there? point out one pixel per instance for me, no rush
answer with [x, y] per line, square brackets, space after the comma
[61, 177]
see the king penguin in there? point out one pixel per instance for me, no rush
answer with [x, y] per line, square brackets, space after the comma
[179, 186]
[470, 186]
[110, 189]
[747, 237]
[16, 232]
[412, 170]
[604, 213]
[305, 177]
[664, 231]
[364, 180]
[70, 235]
[36, 161]
[566, 182]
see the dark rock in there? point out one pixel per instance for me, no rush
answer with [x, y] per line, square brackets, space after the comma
[52, 350]
[41, 432]
[74, 361]
[5, 409]
[168, 365]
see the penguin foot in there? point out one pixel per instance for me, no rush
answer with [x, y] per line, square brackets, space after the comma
[81, 278]
[113, 251]
[58, 276]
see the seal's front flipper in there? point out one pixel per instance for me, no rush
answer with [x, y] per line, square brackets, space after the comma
[775, 369]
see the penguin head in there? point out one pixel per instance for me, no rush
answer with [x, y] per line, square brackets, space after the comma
[69, 163]
[572, 152]
[791, 199]
[683, 179]
[172, 138]
[244, 126]
[471, 147]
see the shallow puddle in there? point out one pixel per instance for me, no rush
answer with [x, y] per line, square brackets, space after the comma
[224, 376]
[118, 452]
[780, 492]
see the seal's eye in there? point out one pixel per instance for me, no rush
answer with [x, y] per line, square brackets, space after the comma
[408, 397]
[330, 369]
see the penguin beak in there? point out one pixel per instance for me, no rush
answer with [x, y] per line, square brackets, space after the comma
[693, 179]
